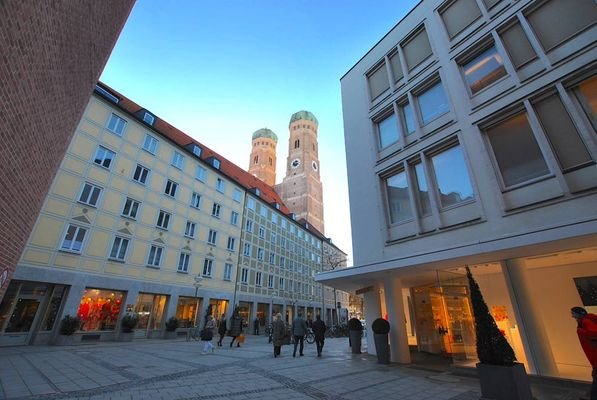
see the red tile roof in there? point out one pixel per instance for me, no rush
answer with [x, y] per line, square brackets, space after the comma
[231, 170]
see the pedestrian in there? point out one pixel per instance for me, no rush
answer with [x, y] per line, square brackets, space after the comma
[256, 326]
[278, 334]
[299, 330]
[319, 331]
[222, 329]
[207, 334]
[586, 330]
[236, 327]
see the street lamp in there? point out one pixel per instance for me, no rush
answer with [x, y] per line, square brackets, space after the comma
[198, 282]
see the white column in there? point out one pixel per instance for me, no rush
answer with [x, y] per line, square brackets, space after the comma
[372, 312]
[171, 308]
[398, 336]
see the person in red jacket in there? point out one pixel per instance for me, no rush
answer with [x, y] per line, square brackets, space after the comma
[587, 335]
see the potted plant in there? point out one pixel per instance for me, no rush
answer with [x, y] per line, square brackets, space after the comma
[171, 326]
[355, 331]
[381, 328]
[500, 376]
[68, 326]
[127, 325]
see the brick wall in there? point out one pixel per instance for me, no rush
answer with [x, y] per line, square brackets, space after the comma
[51, 55]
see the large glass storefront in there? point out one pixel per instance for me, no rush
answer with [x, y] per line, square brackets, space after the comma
[99, 309]
[218, 307]
[150, 309]
[187, 311]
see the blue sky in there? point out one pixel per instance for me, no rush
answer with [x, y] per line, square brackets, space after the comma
[220, 70]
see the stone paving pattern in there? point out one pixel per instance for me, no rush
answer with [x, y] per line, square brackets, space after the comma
[175, 369]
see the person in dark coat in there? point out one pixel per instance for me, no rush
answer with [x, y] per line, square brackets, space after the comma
[222, 329]
[299, 330]
[256, 326]
[236, 327]
[279, 333]
[319, 331]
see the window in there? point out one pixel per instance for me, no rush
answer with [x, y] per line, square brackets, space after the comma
[233, 218]
[586, 94]
[148, 118]
[207, 267]
[150, 144]
[119, 248]
[220, 185]
[291, 265]
[236, 195]
[282, 261]
[249, 226]
[433, 103]
[387, 130]
[260, 254]
[196, 200]
[421, 190]
[215, 210]
[272, 238]
[517, 45]
[272, 258]
[141, 174]
[73, 239]
[251, 204]
[200, 173]
[565, 141]
[451, 175]
[396, 67]
[378, 81]
[275, 217]
[130, 209]
[189, 230]
[183, 262]
[170, 189]
[263, 211]
[247, 250]
[516, 151]
[104, 157]
[258, 279]
[416, 49]
[163, 220]
[244, 275]
[297, 143]
[212, 236]
[116, 124]
[282, 242]
[155, 256]
[261, 232]
[270, 281]
[555, 21]
[227, 271]
[177, 160]
[281, 283]
[484, 69]
[459, 15]
[90, 194]
[408, 117]
[231, 243]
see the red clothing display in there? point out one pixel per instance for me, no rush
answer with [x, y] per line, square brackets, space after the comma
[587, 334]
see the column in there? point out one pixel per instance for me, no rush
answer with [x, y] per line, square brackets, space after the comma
[203, 310]
[283, 310]
[269, 314]
[71, 305]
[253, 316]
[532, 331]
[372, 312]
[171, 307]
[398, 336]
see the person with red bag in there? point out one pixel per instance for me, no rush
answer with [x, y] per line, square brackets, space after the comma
[587, 335]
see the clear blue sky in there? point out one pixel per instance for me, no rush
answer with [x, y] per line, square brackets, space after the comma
[220, 70]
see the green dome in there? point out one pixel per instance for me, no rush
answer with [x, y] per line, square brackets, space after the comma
[265, 133]
[308, 115]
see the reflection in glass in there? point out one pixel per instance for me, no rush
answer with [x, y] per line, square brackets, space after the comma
[452, 177]
[484, 69]
[587, 95]
[53, 307]
[388, 131]
[433, 103]
[422, 191]
[409, 118]
[398, 199]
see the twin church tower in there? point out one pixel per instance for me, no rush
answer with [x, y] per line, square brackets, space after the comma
[301, 188]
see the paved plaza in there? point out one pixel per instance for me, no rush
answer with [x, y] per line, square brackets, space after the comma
[176, 369]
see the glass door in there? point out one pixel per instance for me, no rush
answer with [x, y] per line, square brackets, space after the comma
[19, 312]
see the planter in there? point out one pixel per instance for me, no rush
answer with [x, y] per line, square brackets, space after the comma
[504, 382]
[170, 335]
[382, 348]
[355, 341]
[126, 336]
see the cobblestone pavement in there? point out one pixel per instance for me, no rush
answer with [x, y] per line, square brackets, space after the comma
[176, 369]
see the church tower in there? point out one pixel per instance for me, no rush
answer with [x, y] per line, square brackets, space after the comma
[263, 156]
[301, 189]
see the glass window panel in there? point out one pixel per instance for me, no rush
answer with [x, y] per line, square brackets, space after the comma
[422, 190]
[484, 69]
[491, 3]
[417, 49]
[396, 67]
[459, 15]
[451, 175]
[433, 103]
[586, 93]
[378, 81]
[398, 198]
[518, 46]
[388, 131]
[516, 151]
[409, 118]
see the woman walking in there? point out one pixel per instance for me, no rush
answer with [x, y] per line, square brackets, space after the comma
[208, 334]
[222, 329]
[279, 334]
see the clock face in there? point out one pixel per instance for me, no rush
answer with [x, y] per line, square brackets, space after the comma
[314, 165]
[295, 163]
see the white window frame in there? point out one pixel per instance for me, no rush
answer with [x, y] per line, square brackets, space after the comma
[150, 144]
[216, 210]
[93, 189]
[163, 220]
[261, 232]
[244, 276]
[247, 249]
[189, 230]
[177, 160]
[220, 185]
[196, 199]
[260, 254]
[208, 264]
[100, 154]
[117, 244]
[227, 272]
[234, 218]
[141, 169]
[272, 258]
[270, 281]
[133, 207]
[118, 126]
[154, 257]
[171, 188]
[249, 226]
[231, 243]
[200, 173]
[236, 195]
[258, 278]
[281, 282]
[184, 261]
[77, 230]
[212, 237]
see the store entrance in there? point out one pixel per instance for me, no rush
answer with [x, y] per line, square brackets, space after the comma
[19, 312]
[150, 310]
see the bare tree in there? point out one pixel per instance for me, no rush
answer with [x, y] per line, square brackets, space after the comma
[333, 258]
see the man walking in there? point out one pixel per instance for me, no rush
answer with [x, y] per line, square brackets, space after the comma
[236, 327]
[256, 326]
[299, 330]
[587, 335]
[319, 331]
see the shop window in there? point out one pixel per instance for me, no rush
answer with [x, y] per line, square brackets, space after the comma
[395, 66]
[90, 194]
[119, 248]
[398, 198]
[387, 130]
[104, 157]
[586, 93]
[416, 49]
[433, 103]
[555, 21]
[587, 290]
[517, 45]
[186, 311]
[73, 239]
[452, 177]
[116, 124]
[378, 81]
[150, 310]
[51, 314]
[459, 15]
[483, 69]
[99, 309]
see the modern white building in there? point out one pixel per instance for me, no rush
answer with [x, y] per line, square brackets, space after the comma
[470, 127]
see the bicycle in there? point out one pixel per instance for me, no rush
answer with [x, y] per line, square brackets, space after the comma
[193, 333]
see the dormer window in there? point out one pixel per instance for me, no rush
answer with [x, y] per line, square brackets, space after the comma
[277, 205]
[216, 163]
[106, 94]
[148, 118]
[257, 192]
[193, 148]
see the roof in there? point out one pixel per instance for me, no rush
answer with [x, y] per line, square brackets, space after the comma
[265, 133]
[227, 168]
[307, 115]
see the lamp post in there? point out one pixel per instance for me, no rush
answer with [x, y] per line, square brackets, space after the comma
[198, 282]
